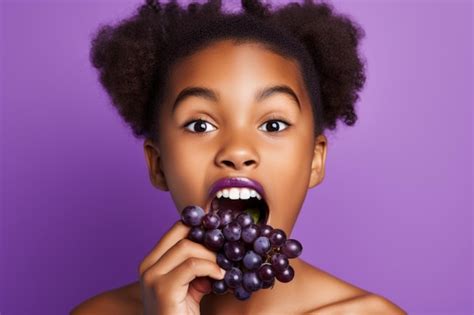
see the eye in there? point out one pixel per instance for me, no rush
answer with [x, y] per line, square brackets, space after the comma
[198, 126]
[275, 125]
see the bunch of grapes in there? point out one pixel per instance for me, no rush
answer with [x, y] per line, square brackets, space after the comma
[253, 255]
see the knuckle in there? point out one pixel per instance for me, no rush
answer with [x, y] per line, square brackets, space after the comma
[184, 244]
[144, 267]
[191, 248]
[192, 264]
[148, 279]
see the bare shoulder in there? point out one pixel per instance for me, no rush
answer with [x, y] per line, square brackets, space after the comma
[118, 301]
[333, 295]
[367, 304]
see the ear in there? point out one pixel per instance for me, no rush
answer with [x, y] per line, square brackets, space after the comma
[155, 169]
[319, 160]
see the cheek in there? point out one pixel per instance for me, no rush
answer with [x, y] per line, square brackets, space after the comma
[188, 158]
[184, 171]
[291, 156]
[289, 171]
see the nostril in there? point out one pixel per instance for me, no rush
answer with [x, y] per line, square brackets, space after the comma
[234, 165]
[250, 162]
[228, 163]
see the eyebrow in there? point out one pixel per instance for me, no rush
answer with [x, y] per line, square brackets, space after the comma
[212, 95]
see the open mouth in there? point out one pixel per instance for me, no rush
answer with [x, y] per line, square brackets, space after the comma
[257, 208]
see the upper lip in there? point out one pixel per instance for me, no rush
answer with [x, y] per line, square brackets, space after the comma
[240, 181]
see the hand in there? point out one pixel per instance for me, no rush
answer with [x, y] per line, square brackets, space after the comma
[173, 276]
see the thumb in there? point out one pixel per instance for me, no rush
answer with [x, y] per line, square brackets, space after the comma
[199, 287]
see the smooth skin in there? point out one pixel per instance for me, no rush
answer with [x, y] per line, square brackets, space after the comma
[239, 140]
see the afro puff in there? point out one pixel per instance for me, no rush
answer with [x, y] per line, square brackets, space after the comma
[134, 56]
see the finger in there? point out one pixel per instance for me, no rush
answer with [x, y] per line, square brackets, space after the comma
[194, 267]
[180, 252]
[177, 232]
[201, 285]
[174, 285]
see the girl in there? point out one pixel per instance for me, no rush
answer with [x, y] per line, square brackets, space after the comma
[224, 100]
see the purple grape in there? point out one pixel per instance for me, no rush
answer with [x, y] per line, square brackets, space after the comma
[277, 237]
[232, 231]
[234, 251]
[242, 294]
[268, 284]
[265, 230]
[292, 248]
[211, 221]
[244, 219]
[223, 262]
[226, 216]
[250, 233]
[251, 282]
[196, 234]
[279, 262]
[252, 260]
[219, 287]
[214, 239]
[233, 277]
[253, 255]
[261, 245]
[192, 215]
[266, 272]
[286, 275]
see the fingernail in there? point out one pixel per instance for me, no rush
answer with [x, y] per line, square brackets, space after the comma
[222, 272]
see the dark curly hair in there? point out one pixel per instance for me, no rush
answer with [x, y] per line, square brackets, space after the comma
[135, 56]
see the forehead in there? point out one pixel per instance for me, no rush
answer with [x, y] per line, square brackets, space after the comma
[235, 69]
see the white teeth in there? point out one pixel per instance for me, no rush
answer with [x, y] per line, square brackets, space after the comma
[225, 193]
[235, 193]
[244, 193]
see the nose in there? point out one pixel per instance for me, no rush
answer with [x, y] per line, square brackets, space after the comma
[237, 153]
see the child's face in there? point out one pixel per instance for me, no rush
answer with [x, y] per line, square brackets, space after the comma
[237, 138]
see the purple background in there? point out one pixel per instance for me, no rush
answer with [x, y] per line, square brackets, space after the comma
[393, 215]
